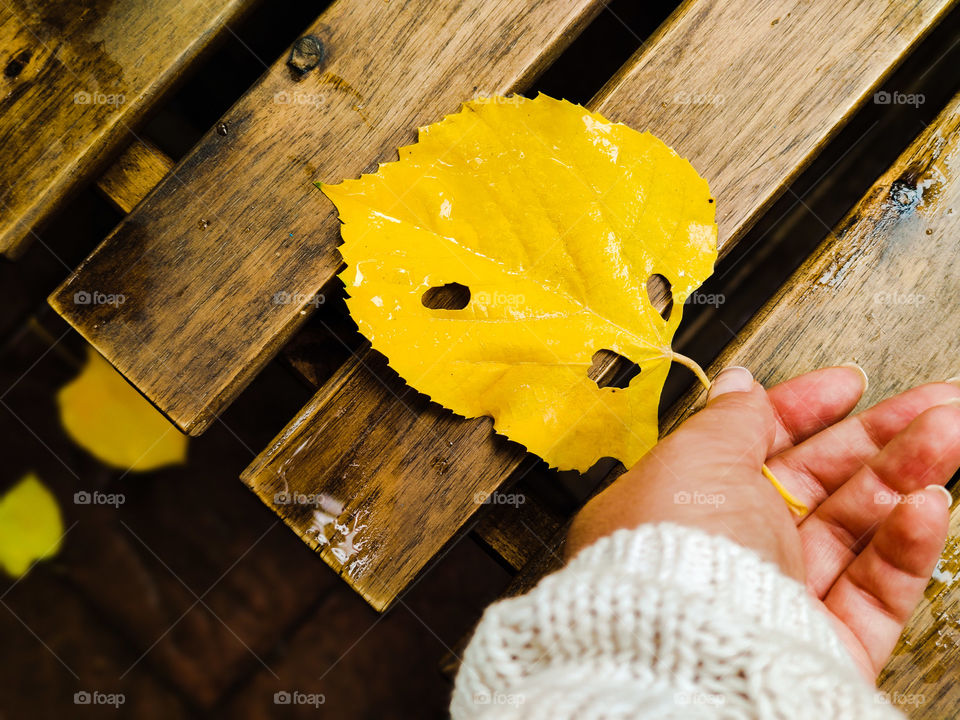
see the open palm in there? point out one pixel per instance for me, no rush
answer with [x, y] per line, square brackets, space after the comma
[878, 514]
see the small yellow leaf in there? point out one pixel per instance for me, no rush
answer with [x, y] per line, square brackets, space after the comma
[555, 219]
[30, 525]
[107, 417]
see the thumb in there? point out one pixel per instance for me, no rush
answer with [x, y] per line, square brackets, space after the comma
[738, 422]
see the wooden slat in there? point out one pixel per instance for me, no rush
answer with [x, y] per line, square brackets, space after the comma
[880, 290]
[510, 530]
[769, 84]
[921, 676]
[76, 78]
[201, 261]
[138, 170]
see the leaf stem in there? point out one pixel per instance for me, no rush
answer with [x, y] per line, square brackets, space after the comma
[796, 507]
[694, 367]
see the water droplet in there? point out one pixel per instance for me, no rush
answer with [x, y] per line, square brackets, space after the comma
[203, 224]
[221, 128]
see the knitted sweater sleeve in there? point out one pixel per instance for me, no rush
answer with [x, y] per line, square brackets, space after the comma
[662, 621]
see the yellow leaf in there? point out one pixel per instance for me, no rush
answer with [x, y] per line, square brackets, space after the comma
[108, 418]
[30, 525]
[554, 218]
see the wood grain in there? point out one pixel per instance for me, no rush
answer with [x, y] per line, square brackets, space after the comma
[746, 73]
[879, 291]
[138, 170]
[511, 530]
[514, 532]
[239, 224]
[357, 508]
[76, 79]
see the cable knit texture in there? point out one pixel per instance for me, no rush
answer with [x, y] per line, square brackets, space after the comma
[662, 621]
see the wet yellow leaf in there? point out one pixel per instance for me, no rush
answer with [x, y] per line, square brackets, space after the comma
[554, 218]
[30, 525]
[108, 418]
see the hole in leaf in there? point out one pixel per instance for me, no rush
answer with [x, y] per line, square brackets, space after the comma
[610, 369]
[452, 296]
[660, 293]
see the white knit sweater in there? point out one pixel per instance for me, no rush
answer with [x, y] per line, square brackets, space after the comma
[662, 622]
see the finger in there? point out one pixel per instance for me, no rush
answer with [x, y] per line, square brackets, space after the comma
[818, 466]
[927, 452]
[877, 593]
[718, 451]
[739, 416]
[811, 402]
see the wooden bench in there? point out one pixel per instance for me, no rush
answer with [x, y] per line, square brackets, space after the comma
[445, 462]
[236, 222]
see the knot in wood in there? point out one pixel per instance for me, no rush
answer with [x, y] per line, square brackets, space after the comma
[306, 54]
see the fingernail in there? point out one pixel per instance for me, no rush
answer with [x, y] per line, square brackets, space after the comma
[943, 492]
[955, 380]
[951, 401]
[731, 379]
[866, 380]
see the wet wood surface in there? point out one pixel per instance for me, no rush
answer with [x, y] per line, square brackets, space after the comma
[245, 224]
[317, 351]
[431, 458]
[76, 80]
[138, 170]
[921, 676]
[225, 259]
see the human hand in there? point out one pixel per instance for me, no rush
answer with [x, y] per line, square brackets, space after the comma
[873, 483]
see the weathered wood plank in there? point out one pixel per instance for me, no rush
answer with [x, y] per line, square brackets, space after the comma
[881, 291]
[749, 62]
[203, 260]
[76, 79]
[508, 524]
[138, 170]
